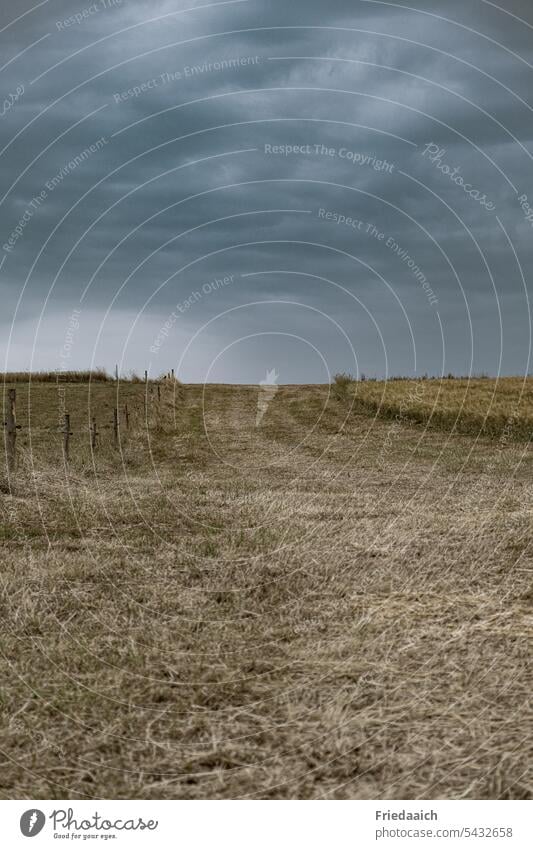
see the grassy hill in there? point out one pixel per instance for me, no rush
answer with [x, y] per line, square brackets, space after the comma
[477, 406]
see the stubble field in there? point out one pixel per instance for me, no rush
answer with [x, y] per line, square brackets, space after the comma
[333, 603]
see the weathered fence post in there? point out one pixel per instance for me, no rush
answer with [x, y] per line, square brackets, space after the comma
[11, 431]
[115, 426]
[94, 433]
[173, 378]
[158, 392]
[127, 416]
[66, 437]
[145, 394]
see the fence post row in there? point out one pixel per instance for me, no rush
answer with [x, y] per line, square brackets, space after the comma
[11, 424]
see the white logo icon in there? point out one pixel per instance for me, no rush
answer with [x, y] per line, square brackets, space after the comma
[32, 822]
[267, 390]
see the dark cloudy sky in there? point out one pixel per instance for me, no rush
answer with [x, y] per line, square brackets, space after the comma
[414, 120]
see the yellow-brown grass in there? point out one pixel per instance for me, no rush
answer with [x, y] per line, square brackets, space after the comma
[480, 406]
[327, 606]
[98, 374]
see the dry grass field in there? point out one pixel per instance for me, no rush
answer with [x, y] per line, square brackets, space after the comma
[476, 406]
[336, 603]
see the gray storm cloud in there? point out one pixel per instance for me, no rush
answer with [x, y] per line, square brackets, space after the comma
[360, 170]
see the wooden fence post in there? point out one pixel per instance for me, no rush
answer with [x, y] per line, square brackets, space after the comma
[145, 394]
[94, 433]
[158, 392]
[11, 431]
[115, 426]
[66, 437]
[127, 416]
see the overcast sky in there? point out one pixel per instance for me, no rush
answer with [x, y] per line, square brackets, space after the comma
[300, 185]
